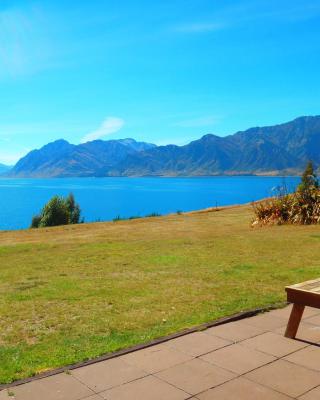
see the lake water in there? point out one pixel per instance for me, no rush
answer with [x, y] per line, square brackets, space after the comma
[105, 198]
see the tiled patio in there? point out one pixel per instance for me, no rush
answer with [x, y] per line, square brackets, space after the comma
[244, 360]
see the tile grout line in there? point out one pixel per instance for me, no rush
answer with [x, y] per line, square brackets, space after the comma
[224, 369]
[318, 386]
[240, 374]
[137, 379]
[264, 385]
[302, 366]
[88, 387]
[268, 354]
[80, 398]
[116, 386]
[250, 380]
[173, 385]
[203, 354]
[237, 341]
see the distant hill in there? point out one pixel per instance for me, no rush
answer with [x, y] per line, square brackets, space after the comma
[62, 159]
[280, 149]
[4, 168]
[272, 150]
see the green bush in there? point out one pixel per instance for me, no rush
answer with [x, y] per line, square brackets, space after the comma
[36, 221]
[74, 209]
[58, 211]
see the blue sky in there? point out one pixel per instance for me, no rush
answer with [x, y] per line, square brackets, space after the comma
[159, 71]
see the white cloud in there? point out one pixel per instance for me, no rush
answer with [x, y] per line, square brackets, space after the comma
[109, 125]
[199, 27]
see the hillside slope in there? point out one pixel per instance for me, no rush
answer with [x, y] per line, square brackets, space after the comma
[280, 149]
[4, 168]
[62, 159]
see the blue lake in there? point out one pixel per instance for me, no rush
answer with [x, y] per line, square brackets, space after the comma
[105, 198]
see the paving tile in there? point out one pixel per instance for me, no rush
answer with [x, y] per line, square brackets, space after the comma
[235, 331]
[195, 376]
[238, 359]
[146, 388]
[4, 395]
[225, 352]
[282, 312]
[285, 312]
[156, 358]
[313, 394]
[57, 387]
[314, 320]
[306, 332]
[266, 321]
[274, 344]
[198, 343]
[308, 357]
[107, 374]
[290, 379]
[310, 311]
[241, 389]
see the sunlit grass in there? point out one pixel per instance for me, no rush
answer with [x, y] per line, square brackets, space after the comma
[73, 293]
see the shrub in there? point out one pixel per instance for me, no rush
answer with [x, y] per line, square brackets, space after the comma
[35, 221]
[297, 208]
[153, 214]
[58, 211]
[301, 207]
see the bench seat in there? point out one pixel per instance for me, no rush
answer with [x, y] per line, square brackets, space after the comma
[301, 295]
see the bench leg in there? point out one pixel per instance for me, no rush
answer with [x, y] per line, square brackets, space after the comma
[294, 321]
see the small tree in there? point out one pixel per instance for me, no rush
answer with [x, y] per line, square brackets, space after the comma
[74, 209]
[55, 213]
[36, 221]
[58, 211]
[309, 179]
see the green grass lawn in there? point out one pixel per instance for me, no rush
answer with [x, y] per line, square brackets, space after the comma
[72, 293]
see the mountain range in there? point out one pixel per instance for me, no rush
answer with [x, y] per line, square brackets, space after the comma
[272, 150]
[62, 159]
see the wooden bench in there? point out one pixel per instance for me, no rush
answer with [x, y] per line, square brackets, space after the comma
[301, 295]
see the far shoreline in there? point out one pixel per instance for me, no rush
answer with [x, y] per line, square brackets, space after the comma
[154, 176]
[142, 218]
[136, 218]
